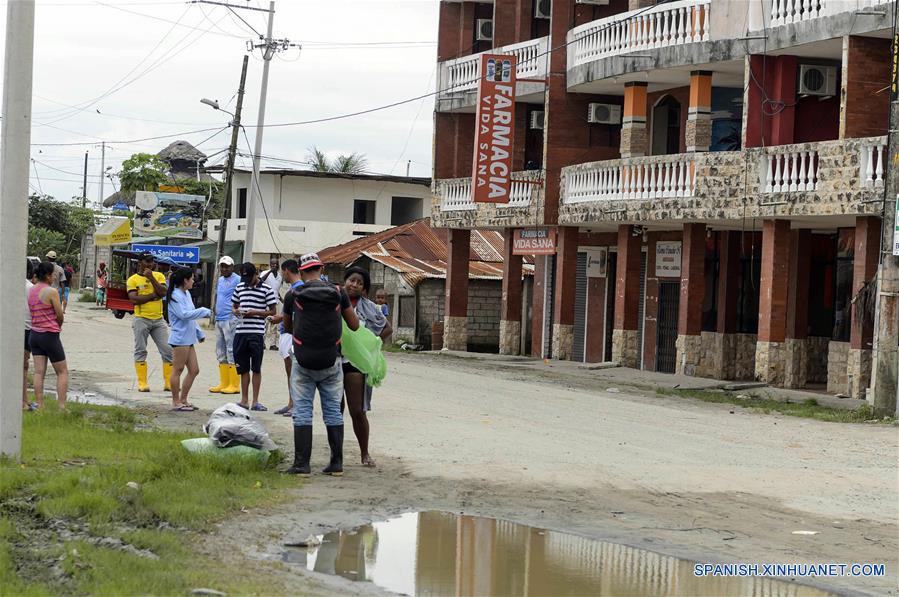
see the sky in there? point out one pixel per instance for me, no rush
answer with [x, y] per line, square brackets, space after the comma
[119, 71]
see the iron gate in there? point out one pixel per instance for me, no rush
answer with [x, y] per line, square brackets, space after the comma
[666, 345]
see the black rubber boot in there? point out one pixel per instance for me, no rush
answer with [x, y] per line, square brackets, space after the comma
[335, 440]
[302, 450]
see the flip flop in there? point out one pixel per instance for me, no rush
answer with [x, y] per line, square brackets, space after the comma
[191, 406]
[258, 407]
[282, 410]
[182, 409]
[287, 414]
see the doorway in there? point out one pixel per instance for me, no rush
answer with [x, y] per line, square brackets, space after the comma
[666, 131]
[611, 280]
[666, 343]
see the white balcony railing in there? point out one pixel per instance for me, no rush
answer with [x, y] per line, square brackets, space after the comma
[786, 12]
[872, 154]
[668, 24]
[653, 177]
[455, 193]
[461, 74]
[783, 169]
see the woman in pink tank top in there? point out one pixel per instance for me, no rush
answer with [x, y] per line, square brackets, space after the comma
[46, 323]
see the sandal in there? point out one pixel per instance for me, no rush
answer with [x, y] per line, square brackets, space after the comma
[183, 409]
[258, 407]
[191, 406]
[283, 410]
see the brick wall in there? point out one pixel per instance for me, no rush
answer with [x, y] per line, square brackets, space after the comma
[454, 144]
[484, 299]
[865, 74]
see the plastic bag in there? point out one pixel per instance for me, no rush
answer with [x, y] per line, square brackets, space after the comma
[232, 425]
[204, 445]
[363, 350]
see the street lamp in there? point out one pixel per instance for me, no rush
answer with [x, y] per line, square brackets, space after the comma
[214, 104]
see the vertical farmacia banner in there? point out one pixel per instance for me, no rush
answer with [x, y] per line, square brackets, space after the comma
[495, 133]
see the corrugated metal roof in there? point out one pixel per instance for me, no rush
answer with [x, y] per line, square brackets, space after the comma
[417, 252]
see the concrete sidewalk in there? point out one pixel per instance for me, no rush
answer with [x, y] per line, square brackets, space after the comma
[610, 375]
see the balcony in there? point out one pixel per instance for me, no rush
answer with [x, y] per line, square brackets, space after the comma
[453, 206]
[458, 78]
[665, 25]
[831, 179]
[787, 12]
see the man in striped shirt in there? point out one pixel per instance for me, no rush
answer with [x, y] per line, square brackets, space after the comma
[253, 302]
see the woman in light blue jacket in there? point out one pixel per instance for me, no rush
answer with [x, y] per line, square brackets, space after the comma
[184, 334]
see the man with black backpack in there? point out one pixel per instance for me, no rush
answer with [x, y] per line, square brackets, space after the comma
[314, 312]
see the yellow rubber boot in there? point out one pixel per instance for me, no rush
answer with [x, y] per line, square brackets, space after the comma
[167, 373]
[141, 368]
[223, 379]
[233, 386]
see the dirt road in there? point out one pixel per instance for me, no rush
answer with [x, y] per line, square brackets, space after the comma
[702, 481]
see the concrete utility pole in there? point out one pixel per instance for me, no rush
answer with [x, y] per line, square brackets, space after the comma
[102, 170]
[15, 154]
[84, 188]
[229, 176]
[886, 343]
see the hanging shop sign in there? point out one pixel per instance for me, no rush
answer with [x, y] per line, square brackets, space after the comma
[597, 260]
[534, 241]
[668, 254]
[495, 129]
[172, 215]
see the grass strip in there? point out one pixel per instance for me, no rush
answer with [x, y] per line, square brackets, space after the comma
[104, 504]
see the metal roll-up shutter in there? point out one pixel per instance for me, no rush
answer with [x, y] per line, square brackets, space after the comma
[580, 308]
[548, 304]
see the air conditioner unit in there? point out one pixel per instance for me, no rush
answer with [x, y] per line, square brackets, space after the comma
[485, 30]
[817, 80]
[537, 120]
[595, 2]
[604, 113]
[542, 9]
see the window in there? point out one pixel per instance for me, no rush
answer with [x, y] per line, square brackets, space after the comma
[363, 212]
[404, 210]
[241, 203]
[407, 312]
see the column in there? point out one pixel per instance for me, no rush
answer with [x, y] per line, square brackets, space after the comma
[698, 133]
[510, 316]
[633, 122]
[692, 293]
[455, 319]
[627, 294]
[861, 336]
[796, 345]
[563, 306]
[724, 350]
[773, 295]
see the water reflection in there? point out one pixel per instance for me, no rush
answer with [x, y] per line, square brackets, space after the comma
[438, 553]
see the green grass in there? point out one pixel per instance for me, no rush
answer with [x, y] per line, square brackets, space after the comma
[808, 408]
[75, 471]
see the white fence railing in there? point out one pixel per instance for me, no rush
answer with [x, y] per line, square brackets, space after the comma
[461, 74]
[455, 193]
[784, 169]
[871, 157]
[634, 178]
[668, 24]
[785, 12]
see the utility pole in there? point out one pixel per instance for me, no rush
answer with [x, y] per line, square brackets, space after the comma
[15, 143]
[229, 176]
[84, 188]
[408, 165]
[102, 170]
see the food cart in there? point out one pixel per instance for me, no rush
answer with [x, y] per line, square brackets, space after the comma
[123, 265]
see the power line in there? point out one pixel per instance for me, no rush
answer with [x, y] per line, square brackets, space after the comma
[261, 199]
[76, 143]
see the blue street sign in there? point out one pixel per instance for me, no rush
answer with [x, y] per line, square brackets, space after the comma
[178, 254]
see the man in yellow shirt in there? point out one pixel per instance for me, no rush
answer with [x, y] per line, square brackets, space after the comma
[146, 289]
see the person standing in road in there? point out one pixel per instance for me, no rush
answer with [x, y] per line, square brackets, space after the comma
[290, 273]
[102, 282]
[314, 314]
[185, 333]
[358, 393]
[252, 303]
[67, 285]
[146, 289]
[272, 278]
[59, 274]
[225, 324]
[46, 324]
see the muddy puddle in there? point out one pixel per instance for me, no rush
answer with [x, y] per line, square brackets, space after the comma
[440, 553]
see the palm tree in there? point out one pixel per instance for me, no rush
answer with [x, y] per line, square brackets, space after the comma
[355, 163]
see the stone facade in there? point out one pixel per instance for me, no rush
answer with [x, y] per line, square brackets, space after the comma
[509, 337]
[455, 333]
[770, 360]
[624, 348]
[858, 372]
[837, 363]
[816, 369]
[698, 133]
[716, 197]
[716, 360]
[633, 139]
[563, 341]
[689, 355]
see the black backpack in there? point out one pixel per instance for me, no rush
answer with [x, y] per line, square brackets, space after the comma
[317, 324]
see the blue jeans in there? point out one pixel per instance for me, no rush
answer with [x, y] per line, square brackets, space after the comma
[224, 340]
[329, 382]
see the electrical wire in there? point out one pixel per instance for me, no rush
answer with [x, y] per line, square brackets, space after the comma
[36, 175]
[259, 193]
[128, 142]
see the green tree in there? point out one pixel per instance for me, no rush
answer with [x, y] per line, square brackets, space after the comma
[355, 163]
[192, 186]
[41, 241]
[57, 226]
[143, 172]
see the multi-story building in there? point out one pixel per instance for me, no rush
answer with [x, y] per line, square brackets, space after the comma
[719, 164]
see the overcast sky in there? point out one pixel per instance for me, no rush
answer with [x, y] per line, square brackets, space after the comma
[173, 53]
